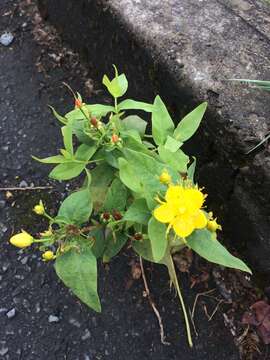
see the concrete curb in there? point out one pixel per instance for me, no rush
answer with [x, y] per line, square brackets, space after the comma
[186, 51]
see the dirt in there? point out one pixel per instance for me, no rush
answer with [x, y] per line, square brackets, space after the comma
[39, 318]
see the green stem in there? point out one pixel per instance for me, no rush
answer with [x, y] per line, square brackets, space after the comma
[176, 284]
[115, 105]
[48, 217]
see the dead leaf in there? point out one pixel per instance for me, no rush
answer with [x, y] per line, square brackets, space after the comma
[259, 316]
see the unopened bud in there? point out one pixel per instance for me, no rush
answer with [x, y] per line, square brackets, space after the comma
[94, 121]
[78, 103]
[138, 236]
[114, 138]
[105, 216]
[117, 215]
[48, 255]
[165, 177]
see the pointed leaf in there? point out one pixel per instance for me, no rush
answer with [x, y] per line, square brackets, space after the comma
[116, 197]
[172, 144]
[102, 176]
[113, 245]
[206, 246]
[177, 160]
[66, 171]
[77, 207]
[129, 104]
[138, 212]
[67, 137]
[162, 124]
[78, 271]
[190, 123]
[157, 237]
[60, 118]
[191, 170]
[85, 152]
[134, 122]
[57, 159]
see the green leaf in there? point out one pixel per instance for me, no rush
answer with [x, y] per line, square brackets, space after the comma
[118, 86]
[138, 212]
[162, 124]
[128, 177]
[206, 246]
[60, 118]
[78, 271]
[67, 137]
[57, 159]
[134, 122]
[113, 245]
[129, 104]
[144, 249]
[147, 170]
[190, 123]
[134, 134]
[67, 170]
[85, 152]
[74, 116]
[177, 160]
[102, 176]
[116, 197]
[99, 110]
[157, 237]
[191, 170]
[76, 208]
[99, 242]
[172, 145]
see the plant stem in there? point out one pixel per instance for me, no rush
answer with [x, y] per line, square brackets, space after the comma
[176, 284]
[115, 105]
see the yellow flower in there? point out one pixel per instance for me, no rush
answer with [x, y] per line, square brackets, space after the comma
[213, 226]
[48, 255]
[22, 239]
[165, 177]
[46, 233]
[39, 209]
[182, 210]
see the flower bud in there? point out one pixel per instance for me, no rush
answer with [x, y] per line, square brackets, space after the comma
[48, 255]
[117, 215]
[39, 209]
[138, 236]
[22, 240]
[78, 103]
[105, 217]
[165, 178]
[114, 138]
[213, 226]
[46, 233]
[94, 121]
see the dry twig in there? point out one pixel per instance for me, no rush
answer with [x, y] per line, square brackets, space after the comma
[26, 188]
[151, 302]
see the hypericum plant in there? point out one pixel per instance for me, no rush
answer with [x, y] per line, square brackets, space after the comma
[137, 188]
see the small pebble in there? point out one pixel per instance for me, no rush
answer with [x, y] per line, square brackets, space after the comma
[6, 38]
[74, 322]
[53, 318]
[11, 313]
[23, 184]
[3, 351]
[86, 335]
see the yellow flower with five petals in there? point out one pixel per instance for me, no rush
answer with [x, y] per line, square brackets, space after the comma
[182, 210]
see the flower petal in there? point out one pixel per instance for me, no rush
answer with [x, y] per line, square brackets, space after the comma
[194, 199]
[183, 226]
[164, 213]
[200, 221]
[174, 192]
